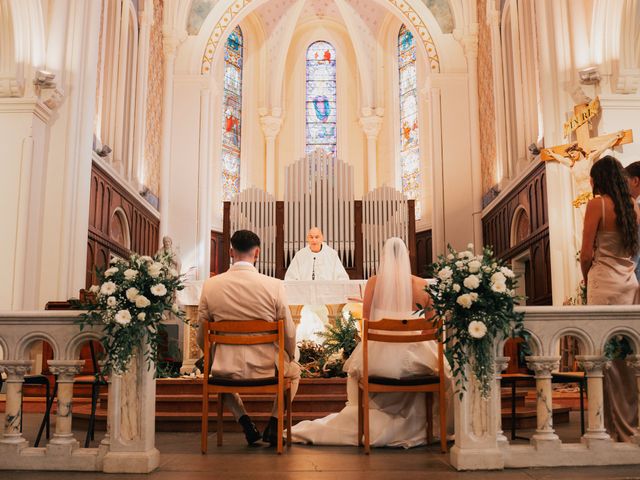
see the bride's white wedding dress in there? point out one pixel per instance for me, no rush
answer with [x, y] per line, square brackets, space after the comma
[396, 419]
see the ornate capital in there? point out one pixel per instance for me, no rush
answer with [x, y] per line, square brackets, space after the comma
[66, 370]
[371, 125]
[542, 365]
[15, 369]
[270, 125]
[11, 87]
[501, 365]
[633, 361]
[593, 364]
[51, 97]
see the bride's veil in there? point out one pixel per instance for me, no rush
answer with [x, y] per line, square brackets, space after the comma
[393, 293]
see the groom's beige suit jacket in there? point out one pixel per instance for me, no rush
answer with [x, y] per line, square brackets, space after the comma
[242, 293]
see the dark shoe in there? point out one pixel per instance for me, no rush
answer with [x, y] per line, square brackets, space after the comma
[251, 433]
[270, 434]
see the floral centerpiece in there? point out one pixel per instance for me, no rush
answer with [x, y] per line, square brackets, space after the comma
[130, 303]
[474, 296]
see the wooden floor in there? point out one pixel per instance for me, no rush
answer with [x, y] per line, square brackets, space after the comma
[181, 460]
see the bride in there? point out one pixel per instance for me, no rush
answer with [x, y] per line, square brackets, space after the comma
[396, 419]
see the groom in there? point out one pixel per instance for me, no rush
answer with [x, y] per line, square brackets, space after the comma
[239, 294]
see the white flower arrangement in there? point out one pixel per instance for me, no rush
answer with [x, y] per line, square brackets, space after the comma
[474, 296]
[130, 302]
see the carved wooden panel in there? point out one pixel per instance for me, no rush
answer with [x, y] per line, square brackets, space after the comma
[518, 228]
[424, 252]
[217, 253]
[119, 223]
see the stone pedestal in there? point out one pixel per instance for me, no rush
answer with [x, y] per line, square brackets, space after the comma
[132, 415]
[15, 370]
[545, 436]
[593, 366]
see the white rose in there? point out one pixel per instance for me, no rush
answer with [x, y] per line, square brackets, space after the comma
[175, 308]
[474, 296]
[456, 287]
[498, 277]
[471, 282]
[113, 261]
[154, 269]
[474, 266]
[130, 273]
[445, 273]
[123, 317]
[173, 272]
[111, 301]
[159, 290]
[450, 256]
[94, 288]
[512, 293]
[146, 259]
[507, 272]
[499, 287]
[132, 294]
[486, 269]
[479, 258]
[108, 288]
[465, 300]
[110, 271]
[459, 264]
[142, 301]
[470, 246]
[142, 316]
[477, 329]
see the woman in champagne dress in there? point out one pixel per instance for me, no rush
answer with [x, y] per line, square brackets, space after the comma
[609, 244]
[396, 419]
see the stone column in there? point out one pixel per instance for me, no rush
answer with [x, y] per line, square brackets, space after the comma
[296, 313]
[543, 366]
[65, 370]
[15, 370]
[270, 128]
[371, 125]
[501, 366]
[334, 310]
[593, 366]
[634, 362]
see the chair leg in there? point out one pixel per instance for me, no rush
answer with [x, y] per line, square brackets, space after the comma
[360, 417]
[95, 392]
[204, 429]
[513, 410]
[365, 415]
[48, 397]
[429, 412]
[289, 413]
[280, 418]
[220, 419]
[442, 406]
[46, 420]
[581, 383]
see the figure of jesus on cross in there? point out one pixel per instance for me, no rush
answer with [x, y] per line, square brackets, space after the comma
[580, 155]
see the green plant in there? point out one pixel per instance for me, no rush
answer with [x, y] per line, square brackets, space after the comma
[617, 348]
[130, 304]
[474, 297]
[342, 335]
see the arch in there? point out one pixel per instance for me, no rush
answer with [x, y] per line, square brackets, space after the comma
[21, 347]
[517, 223]
[535, 344]
[579, 333]
[221, 21]
[629, 332]
[5, 353]
[119, 229]
[72, 350]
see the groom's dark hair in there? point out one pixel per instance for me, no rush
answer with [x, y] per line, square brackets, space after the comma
[244, 241]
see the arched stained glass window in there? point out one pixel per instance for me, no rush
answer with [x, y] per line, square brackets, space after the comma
[409, 138]
[321, 97]
[231, 119]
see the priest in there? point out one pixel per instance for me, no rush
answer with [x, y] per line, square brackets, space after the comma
[317, 261]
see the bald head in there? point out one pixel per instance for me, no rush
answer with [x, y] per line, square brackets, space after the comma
[315, 239]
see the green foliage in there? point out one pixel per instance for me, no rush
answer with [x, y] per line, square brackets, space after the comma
[131, 300]
[474, 296]
[618, 348]
[341, 336]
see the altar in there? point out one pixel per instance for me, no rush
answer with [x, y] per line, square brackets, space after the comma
[332, 294]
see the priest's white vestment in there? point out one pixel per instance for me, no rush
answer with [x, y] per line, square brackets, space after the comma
[322, 265]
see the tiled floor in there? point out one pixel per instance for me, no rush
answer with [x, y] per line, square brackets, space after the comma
[181, 459]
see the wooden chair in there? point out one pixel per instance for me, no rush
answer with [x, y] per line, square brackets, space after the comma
[429, 384]
[249, 332]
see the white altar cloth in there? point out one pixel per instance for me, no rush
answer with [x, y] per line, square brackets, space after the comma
[312, 292]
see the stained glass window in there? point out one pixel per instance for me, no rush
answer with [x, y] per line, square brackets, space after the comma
[321, 97]
[231, 115]
[409, 138]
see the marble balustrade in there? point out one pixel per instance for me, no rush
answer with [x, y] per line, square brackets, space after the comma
[480, 443]
[124, 449]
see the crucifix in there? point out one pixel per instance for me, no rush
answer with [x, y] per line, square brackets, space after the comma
[580, 155]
